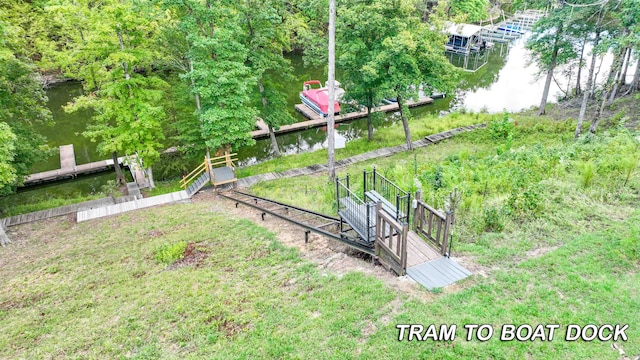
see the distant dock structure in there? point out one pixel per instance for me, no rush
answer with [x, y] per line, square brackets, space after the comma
[513, 27]
[316, 120]
[69, 169]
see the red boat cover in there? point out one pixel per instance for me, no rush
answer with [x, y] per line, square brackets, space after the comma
[321, 98]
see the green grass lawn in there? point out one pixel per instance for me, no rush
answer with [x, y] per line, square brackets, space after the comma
[98, 290]
[550, 225]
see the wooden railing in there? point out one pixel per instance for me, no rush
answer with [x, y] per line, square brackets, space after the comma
[187, 179]
[391, 241]
[434, 225]
[227, 160]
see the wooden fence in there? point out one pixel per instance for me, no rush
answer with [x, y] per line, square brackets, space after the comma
[391, 241]
[434, 225]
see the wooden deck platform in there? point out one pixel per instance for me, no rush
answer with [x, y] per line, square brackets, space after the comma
[438, 273]
[318, 121]
[67, 158]
[418, 251]
[132, 205]
[69, 169]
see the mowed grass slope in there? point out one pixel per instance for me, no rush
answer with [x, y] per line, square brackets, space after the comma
[552, 226]
[96, 290]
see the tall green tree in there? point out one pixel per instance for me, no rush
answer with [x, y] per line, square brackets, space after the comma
[22, 103]
[128, 113]
[222, 82]
[550, 46]
[359, 41]
[408, 54]
[268, 36]
[472, 10]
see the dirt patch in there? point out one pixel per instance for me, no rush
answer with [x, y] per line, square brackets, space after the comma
[192, 257]
[330, 256]
[540, 251]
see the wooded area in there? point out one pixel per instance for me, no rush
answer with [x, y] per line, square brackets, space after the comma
[134, 56]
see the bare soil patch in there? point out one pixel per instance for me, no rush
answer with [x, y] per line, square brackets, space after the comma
[330, 256]
[192, 257]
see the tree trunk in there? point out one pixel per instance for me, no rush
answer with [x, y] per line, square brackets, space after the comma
[369, 120]
[612, 79]
[405, 123]
[616, 79]
[274, 142]
[272, 134]
[120, 180]
[552, 65]
[623, 76]
[152, 184]
[125, 66]
[332, 93]
[587, 91]
[4, 239]
[636, 79]
[578, 86]
[193, 86]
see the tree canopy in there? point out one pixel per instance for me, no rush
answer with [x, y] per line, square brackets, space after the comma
[22, 103]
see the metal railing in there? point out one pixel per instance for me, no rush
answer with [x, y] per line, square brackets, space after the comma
[358, 213]
[391, 192]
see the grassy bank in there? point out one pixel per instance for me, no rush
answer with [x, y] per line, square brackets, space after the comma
[383, 137]
[106, 289]
[524, 185]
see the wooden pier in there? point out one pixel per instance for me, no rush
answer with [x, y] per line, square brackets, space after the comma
[318, 121]
[69, 169]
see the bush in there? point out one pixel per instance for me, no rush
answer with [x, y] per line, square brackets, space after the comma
[492, 220]
[170, 253]
[587, 172]
[501, 129]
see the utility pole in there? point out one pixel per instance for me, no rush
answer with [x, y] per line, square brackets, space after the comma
[332, 93]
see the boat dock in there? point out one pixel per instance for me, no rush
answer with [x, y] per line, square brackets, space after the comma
[318, 121]
[69, 169]
[512, 28]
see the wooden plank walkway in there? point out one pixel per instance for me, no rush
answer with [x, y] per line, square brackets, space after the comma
[67, 158]
[69, 169]
[316, 168]
[438, 273]
[318, 121]
[132, 205]
[418, 251]
[61, 211]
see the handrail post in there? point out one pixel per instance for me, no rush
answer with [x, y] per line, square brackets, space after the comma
[374, 179]
[397, 207]
[408, 207]
[416, 212]
[445, 237]
[348, 186]
[364, 172]
[338, 194]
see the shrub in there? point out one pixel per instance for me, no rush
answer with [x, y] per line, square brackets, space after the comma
[587, 172]
[170, 253]
[492, 220]
[501, 129]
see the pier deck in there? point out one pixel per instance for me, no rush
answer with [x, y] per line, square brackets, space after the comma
[318, 121]
[69, 169]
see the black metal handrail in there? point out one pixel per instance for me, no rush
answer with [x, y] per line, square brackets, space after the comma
[391, 192]
[360, 213]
